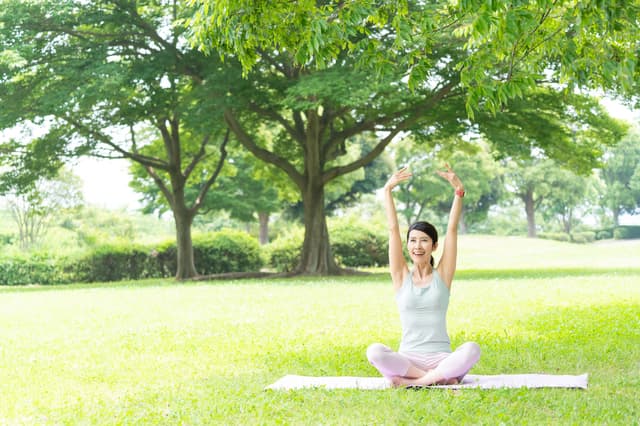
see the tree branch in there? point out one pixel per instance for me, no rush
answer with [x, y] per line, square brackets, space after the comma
[267, 156]
[139, 158]
[214, 176]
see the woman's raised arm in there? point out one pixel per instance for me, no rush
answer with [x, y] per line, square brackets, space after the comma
[397, 263]
[447, 265]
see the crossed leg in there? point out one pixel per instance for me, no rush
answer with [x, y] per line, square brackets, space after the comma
[408, 369]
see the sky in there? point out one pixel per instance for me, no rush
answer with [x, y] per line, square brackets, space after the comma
[106, 182]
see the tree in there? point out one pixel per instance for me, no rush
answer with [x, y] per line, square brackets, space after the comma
[544, 184]
[114, 79]
[319, 117]
[325, 72]
[33, 210]
[621, 176]
[570, 193]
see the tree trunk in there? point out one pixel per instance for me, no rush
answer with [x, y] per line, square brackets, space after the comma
[567, 220]
[529, 207]
[317, 258]
[263, 219]
[462, 225]
[616, 217]
[185, 263]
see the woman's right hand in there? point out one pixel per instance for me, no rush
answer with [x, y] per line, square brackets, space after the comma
[399, 176]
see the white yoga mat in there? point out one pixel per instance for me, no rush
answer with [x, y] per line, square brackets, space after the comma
[470, 381]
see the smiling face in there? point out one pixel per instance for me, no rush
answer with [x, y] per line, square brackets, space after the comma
[420, 246]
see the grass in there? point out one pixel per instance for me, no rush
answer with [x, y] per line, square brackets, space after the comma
[157, 352]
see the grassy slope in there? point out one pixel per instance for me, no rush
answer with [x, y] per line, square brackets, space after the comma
[161, 353]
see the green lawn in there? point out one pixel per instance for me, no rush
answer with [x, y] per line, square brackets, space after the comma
[201, 353]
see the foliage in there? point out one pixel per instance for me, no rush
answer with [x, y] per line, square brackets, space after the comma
[218, 252]
[428, 197]
[510, 46]
[621, 177]
[34, 209]
[115, 80]
[33, 269]
[356, 243]
[283, 253]
[574, 237]
[323, 73]
[626, 232]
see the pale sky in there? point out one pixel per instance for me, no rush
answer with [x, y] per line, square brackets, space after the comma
[106, 183]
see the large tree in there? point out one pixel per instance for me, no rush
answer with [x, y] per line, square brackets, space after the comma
[324, 72]
[114, 79]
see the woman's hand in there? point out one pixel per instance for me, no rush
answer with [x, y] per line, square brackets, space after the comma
[399, 176]
[451, 176]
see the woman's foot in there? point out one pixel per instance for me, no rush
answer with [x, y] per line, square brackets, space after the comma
[426, 380]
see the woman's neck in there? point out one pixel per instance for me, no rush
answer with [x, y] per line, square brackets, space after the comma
[423, 270]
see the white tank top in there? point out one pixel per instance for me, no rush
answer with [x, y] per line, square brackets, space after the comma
[423, 315]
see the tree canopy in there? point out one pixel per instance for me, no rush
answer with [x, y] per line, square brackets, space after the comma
[114, 79]
[510, 46]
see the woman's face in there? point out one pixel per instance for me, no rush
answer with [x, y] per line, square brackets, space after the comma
[420, 246]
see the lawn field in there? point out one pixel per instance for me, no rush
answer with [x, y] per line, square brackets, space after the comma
[197, 353]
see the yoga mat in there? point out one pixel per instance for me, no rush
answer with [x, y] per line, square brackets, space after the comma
[470, 381]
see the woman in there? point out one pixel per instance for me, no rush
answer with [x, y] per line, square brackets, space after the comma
[422, 294]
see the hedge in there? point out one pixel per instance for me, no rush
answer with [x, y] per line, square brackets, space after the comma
[219, 252]
[214, 253]
[627, 232]
[33, 270]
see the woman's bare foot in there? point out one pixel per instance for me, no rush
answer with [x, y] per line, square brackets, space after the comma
[426, 380]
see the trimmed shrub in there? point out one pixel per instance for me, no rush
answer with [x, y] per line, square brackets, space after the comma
[283, 254]
[627, 232]
[583, 237]
[214, 253]
[557, 236]
[353, 244]
[604, 234]
[227, 251]
[36, 269]
[114, 262]
[358, 244]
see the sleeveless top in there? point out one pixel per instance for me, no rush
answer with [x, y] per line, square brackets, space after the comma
[423, 315]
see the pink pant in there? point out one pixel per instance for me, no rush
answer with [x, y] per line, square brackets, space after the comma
[449, 364]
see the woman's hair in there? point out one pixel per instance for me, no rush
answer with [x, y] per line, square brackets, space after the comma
[428, 229]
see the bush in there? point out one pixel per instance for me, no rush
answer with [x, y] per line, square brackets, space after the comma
[604, 234]
[557, 236]
[214, 253]
[627, 232]
[583, 237]
[6, 239]
[227, 251]
[114, 262]
[358, 244]
[283, 254]
[35, 269]
[353, 244]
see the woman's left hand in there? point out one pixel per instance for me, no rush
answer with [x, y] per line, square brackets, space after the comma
[451, 176]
